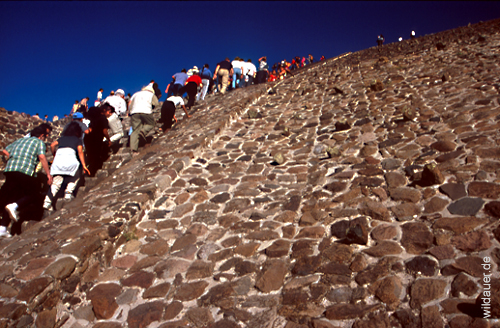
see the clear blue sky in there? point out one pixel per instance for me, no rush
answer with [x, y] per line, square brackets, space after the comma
[53, 53]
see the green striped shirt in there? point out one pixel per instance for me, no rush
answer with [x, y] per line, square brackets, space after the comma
[23, 155]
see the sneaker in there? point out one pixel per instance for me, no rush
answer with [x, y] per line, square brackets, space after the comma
[47, 205]
[13, 212]
[68, 197]
[4, 232]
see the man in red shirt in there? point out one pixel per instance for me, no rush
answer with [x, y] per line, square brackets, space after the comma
[191, 88]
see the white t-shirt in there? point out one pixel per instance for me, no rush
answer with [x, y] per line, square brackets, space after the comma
[176, 100]
[236, 64]
[249, 69]
[118, 103]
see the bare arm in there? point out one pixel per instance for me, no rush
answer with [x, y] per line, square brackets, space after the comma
[82, 159]
[45, 166]
[106, 134]
[53, 147]
[185, 111]
[6, 154]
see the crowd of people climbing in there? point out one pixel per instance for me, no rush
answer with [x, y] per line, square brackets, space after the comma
[92, 131]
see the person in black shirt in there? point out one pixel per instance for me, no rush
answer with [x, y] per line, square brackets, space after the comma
[94, 139]
[223, 69]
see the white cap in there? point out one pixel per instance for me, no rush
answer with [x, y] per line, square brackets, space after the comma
[120, 91]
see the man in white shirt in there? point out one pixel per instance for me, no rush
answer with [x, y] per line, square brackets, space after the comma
[141, 115]
[115, 124]
[248, 74]
[118, 102]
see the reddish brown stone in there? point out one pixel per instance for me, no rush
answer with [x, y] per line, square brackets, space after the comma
[172, 310]
[375, 210]
[247, 249]
[484, 190]
[349, 311]
[34, 268]
[181, 210]
[395, 179]
[406, 211]
[144, 314]
[46, 318]
[61, 268]
[33, 288]
[431, 317]
[472, 242]
[388, 290]
[103, 300]
[383, 248]
[311, 232]
[278, 248]
[190, 291]
[124, 262]
[406, 194]
[158, 247]
[442, 252]
[338, 253]
[493, 209]
[145, 263]
[157, 291]
[199, 317]
[416, 237]
[471, 265]
[436, 204]
[263, 235]
[286, 216]
[463, 284]
[141, 279]
[426, 290]
[183, 242]
[200, 269]
[422, 265]
[459, 225]
[272, 276]
[384, 232]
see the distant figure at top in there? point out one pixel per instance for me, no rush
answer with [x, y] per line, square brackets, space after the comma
[413, 34]
[99, 97]
[206, 76]
[236, 71]
[311, 59]
[400, 39]
[180, 80]
[322, 58]
[263, 70]
[192, 71]
[223, 69]
[75, 107]
[249, 71]
[380, 40]
[191, 88]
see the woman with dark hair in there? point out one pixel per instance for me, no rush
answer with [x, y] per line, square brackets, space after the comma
[66, 164]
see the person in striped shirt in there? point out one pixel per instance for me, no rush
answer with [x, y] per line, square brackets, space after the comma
[21, 186]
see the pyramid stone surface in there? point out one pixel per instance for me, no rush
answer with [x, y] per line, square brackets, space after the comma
[379, 212]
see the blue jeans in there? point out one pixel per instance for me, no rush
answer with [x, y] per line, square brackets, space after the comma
[236, 75]
[244, 83]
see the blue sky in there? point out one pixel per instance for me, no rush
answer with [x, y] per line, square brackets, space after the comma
[53, 53]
